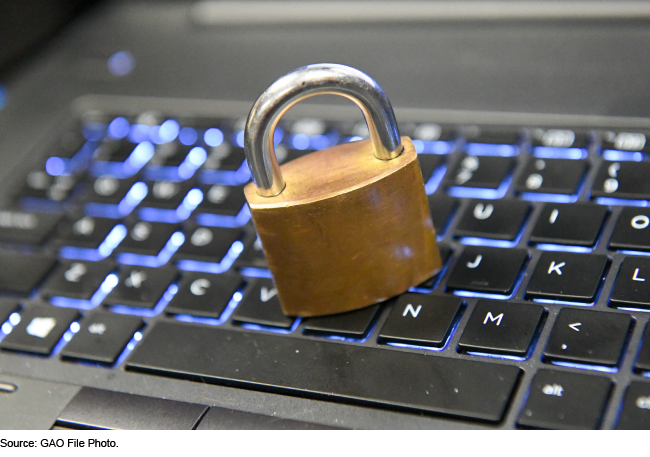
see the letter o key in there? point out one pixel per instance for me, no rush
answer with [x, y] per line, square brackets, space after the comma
[640, 222]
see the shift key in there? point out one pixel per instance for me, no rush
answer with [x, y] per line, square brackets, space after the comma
[326, 370]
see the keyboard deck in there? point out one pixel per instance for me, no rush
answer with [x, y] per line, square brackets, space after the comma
[127, 248]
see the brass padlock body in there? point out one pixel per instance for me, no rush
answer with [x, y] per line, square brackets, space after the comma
[349, 230]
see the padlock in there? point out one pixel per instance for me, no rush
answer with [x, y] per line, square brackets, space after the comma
[347, 226]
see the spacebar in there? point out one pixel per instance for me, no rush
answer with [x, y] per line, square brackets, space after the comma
[332, 371]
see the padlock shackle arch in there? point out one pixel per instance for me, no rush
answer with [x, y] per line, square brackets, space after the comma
[305, 82]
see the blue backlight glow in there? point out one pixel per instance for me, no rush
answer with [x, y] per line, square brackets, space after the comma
[94, 131]
[113, 239]
[118, 128]
[466, 293]
[586, 367]
[239, 138]
[104, 289]
[621, 202]
[548, 152]
[255, 272]
[434, 181]
[614, 155]
[67, 336]
[168, 131]
[139, 133]
[137, 336]
[562, 248]
[55, 166]
[555, 198]
[14, 319]
[560, 302]
[497, 356]
[627, 252]
[300, 141]
[121, 63]
[225, 315]
[132, 199]
[475, 192]
[210, 267]
[140, 155]
[187, 136]
[265, 328]
[472, 241]
[641, 310]
[220, 220]
[227, 177]
[487, 149]
[213, 137]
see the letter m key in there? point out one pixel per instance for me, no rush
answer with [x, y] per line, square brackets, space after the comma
[413, 311]
[492, 318]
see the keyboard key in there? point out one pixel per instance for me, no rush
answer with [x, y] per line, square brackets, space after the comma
[40, 329]
[115, 150]
[552, 176]
[261, 306]
[39, 184]
[643, 360]
[485, 171]
[26, 272]
[208, 244]
[560, 138]
[102, 337]
[445, 253]
[632, 230]
[223, 200]
[86, 232]
[7, 308]
[636, 407]
[428, 164]
[21, 227]
[491, 270]
[442, 206]
[327, 370]
[77, 279]
[497, 219]
[204, 294]
[230, 419]
[586, 336]
[225, 157]
[141, 287]
[576, 224]
[147, 238]
[253, 255]
[353, 324]
[622, 180]
[501, 327]
[625, 141]
[102, 409]
[165, 194]
[421, 319]
[170, 154]
[560, 400]
[567, 276]
[108, 189]
[632, 286]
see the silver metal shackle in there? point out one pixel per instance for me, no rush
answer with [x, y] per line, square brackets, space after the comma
[305, 82]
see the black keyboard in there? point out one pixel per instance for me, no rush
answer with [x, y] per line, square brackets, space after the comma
[127, 251]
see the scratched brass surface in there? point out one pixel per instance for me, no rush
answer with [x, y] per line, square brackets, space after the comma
[348, 231]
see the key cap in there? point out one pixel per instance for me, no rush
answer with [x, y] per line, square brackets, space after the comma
[485, 269]
[492, 135]
[147, 238]
[204, 294]
[552, 176]
[115, 150]
[632, 230]
[632, 286]
[626, 141]
[77, 279]
[224, 200]
[230, 419]
[442, 206]
[421, 319]
[261, 306]
[445, 253]
[22, 227]
[85, 232]
[102, 337]
[26, 272]
[636, 407]
[103, 409]
[474, 171]
[353, 324]
[253, 255]
[323, 369]
[576, 224]
[428, 164]
[496, 219]
[225, 157]
[208, 244]
[622, 180]
[7, 308]
[108, 189]
[165, 194]
[560, 138]
[501, 327]
[643, 360]
[567, 276]
[583, 336]
[569, 401]
[39, 184]
[170, 154]
[141, 287]
[40, 329]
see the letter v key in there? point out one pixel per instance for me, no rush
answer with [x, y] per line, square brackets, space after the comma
[266, 294]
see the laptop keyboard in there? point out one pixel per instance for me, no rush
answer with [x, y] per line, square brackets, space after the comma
[129, 246]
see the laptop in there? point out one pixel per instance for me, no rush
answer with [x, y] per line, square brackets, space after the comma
[134, 292]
